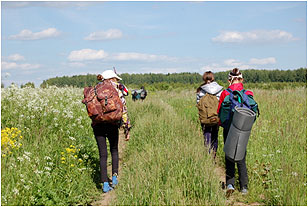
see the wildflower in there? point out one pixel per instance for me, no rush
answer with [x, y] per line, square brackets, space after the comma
[72, 138]
[27, 187]
[72, 165]
[26, 157]
[278, 151]
[47, 168]
[22, 180]
[38, 172]
[47, 158]
[15, 191]
[75, 156]
[20, 159]
[62, 158]
[28, 153]
[80, 160]
[63, 162]
[294, 174]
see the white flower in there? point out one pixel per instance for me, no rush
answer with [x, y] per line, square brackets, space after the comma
[38, 172]
[72, 138]
[27, 153]
[22, 180]
[50, 163]
[15, 191]
[47, 168]
[47, 158]
[294, 174]
[27, 187]
[278, 151]
[26, 157]
[20, 159]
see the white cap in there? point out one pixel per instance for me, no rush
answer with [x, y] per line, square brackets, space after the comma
[107, 74]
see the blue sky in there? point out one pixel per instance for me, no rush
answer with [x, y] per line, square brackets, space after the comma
[41, 40]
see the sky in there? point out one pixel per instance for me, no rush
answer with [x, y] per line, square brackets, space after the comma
[41, 40]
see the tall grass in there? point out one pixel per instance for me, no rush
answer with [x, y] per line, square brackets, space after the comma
[49, 155]
[277, 149]
[56, 163]
[166, 162]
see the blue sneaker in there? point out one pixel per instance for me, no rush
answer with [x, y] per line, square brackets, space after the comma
[106, 187]
[230, 190]
[114, 180]
[244, 191]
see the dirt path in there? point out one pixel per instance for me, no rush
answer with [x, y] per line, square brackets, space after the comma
[106, 198]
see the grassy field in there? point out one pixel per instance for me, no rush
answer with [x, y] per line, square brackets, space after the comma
[49, 155]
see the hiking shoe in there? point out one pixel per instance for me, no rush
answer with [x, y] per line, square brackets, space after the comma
[114, 180]
[230, 190]
[244, 191]
[106, 187]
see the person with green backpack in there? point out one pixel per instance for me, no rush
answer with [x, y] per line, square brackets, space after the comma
[207, 103]
[235, 96]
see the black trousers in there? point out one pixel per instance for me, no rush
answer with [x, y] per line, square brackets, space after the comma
[230, 168]
[101, 132]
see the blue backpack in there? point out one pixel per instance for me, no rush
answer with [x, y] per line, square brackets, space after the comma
[235, 98]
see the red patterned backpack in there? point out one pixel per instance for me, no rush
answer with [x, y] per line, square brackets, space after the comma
[103, 103]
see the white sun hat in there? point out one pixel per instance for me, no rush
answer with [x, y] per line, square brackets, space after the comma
[107, 74]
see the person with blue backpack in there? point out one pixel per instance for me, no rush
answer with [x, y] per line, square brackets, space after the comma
[235, 96]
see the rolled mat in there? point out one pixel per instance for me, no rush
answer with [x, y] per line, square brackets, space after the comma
[239, 132]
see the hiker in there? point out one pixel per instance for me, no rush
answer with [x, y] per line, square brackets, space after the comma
[235, 79]
[139, 94]
[209, 125]
[111, 131]
[143, 93]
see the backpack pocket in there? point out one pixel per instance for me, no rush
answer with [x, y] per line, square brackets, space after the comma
[91, 102]
[107, 101]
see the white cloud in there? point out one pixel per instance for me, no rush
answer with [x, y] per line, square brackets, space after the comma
[13, 65]
[254, 36]
[233, 62]
[105, 35]
[29, 35]
[229, 64]
[264, 61]
[87, 54]
[16, 57]
[140, 56]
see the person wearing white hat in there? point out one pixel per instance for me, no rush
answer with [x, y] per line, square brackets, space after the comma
[111, 131]
[109, 74]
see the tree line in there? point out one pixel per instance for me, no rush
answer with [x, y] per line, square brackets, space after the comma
[250, 76]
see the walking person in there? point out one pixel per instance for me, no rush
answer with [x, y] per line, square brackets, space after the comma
[207, 102]
[111, 131]
[235, 79]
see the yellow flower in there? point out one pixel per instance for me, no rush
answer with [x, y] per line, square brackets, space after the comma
[72, 165]
[75, 156]
[63, 162]
[80, 160]
[62, 158]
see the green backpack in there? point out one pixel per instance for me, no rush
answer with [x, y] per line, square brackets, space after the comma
[207, 107]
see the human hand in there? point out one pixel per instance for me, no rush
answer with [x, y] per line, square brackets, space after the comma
[127, 136]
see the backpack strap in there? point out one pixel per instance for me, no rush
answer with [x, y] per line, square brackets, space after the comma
[245, 98]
